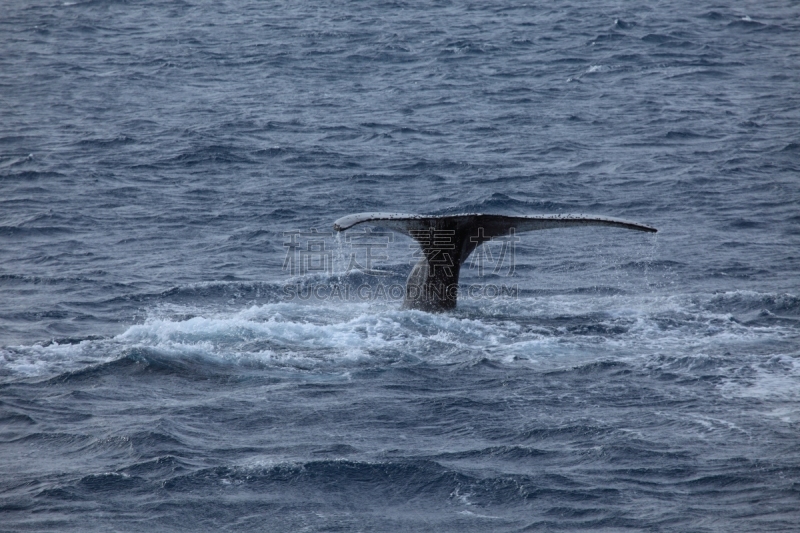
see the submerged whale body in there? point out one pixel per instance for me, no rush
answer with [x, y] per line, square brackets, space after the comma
[447, 241]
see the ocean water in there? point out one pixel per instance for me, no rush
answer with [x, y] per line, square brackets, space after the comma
[183, 343]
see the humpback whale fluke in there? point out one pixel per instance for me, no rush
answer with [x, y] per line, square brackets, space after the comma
[447, 240]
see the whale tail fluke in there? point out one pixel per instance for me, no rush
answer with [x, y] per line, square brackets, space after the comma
[447, 240]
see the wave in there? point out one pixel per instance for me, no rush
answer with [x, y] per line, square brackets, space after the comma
[324, 336]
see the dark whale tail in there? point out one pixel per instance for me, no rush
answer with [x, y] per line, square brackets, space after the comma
[446, 242]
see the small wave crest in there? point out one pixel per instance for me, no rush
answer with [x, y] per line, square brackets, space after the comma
[329, 335]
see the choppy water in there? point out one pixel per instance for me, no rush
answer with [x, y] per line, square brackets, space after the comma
[155, 376]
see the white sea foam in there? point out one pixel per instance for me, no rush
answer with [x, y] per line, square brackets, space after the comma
[527, 329]
[777, 379]
[38, 359]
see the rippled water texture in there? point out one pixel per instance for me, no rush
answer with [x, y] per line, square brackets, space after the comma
[160, 369]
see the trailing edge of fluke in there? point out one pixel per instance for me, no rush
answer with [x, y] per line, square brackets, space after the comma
[447, 240]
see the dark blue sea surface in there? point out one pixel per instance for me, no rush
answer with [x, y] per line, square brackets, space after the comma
[171, 361]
